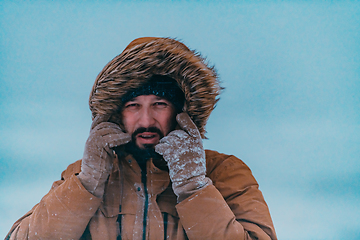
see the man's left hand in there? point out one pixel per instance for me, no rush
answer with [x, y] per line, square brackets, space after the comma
[184, 153]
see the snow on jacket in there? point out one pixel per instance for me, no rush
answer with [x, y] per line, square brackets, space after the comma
[232, 208]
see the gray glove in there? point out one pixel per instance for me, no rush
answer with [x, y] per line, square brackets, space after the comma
[184, 153]
[97, 161]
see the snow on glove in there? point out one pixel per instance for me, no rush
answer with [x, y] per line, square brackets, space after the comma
[184, 153]
[98, 156]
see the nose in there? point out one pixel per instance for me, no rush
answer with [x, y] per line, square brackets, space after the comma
[146, 118]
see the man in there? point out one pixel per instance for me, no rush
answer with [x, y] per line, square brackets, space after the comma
[144, 173]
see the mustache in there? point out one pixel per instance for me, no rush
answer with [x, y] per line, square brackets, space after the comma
[149, 129]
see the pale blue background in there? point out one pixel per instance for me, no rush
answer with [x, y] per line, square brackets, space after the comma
[290, 109]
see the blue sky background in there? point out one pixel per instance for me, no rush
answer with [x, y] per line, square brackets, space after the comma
[290, 110]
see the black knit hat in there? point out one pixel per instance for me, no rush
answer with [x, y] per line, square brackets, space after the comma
[161, 86]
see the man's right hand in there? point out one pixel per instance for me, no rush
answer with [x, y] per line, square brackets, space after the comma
[97, 161]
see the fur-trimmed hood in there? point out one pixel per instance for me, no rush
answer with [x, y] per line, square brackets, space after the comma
[145, 57]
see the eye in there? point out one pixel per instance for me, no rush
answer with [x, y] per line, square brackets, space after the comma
[131, 106]
[161, 104]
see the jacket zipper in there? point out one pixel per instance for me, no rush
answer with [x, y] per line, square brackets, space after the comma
[143, 180]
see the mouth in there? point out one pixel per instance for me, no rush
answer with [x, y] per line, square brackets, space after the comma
[147, 135]
[147, 138]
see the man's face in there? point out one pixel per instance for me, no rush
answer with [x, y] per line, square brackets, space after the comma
[148, 118]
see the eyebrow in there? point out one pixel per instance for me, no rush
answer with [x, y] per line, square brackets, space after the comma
[156, 97]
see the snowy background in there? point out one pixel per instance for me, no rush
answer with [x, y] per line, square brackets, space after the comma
[290, 109]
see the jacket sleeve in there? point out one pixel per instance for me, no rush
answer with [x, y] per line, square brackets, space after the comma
[63, 213]
[232, 208]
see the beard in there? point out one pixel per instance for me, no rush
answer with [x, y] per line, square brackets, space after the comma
[150, 130]
[143, 154]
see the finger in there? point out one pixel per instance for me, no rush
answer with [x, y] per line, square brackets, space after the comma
[174, 136]
[161, 148]
[105, 128]
[99, 119]
[115, 140]
[187, 124]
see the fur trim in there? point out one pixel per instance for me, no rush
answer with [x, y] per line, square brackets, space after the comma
[165, 56]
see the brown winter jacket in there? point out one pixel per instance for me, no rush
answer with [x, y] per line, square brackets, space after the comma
[232, 208]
